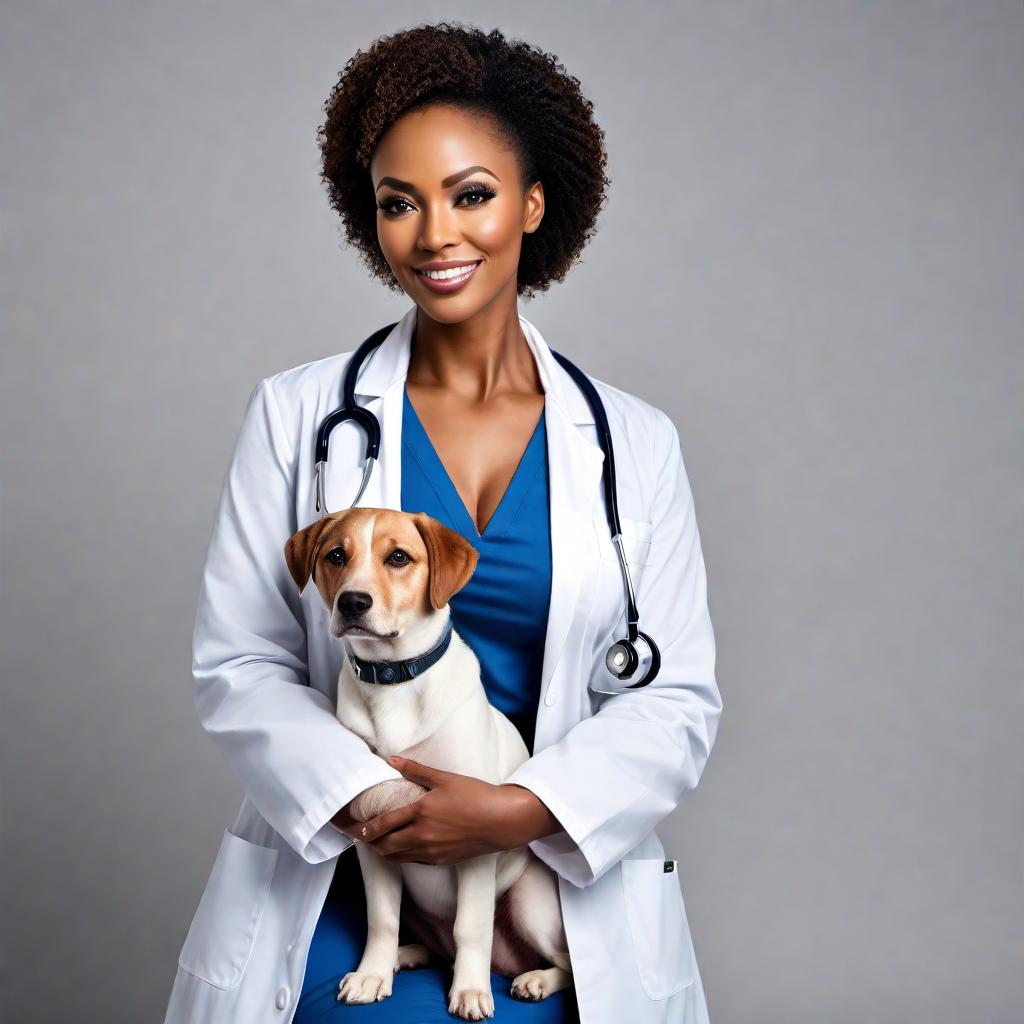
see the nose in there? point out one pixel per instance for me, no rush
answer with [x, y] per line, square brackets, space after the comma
[352, 603]
[438, 230]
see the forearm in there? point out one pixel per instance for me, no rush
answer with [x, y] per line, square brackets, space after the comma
[530, 817]
[460, 816]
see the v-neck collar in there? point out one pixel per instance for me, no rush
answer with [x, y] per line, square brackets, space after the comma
[456, 506]
[572, 453]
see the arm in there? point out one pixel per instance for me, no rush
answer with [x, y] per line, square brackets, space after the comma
[297, 762]
[615, 775]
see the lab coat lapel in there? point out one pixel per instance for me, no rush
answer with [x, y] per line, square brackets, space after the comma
[379, 390]
[575, 465]
[574, 472]
[386, 378]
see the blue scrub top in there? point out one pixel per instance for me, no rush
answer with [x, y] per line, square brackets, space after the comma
[502, 613]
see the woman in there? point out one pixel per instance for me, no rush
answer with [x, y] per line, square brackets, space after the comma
[444, 146]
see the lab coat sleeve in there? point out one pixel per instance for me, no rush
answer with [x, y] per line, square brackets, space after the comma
[616, 774]
[296, 761]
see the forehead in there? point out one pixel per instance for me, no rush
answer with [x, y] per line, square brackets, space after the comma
[425, 145]
[364, 527]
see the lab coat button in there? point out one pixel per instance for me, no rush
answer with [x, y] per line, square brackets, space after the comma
[550, 699]
[282, 998]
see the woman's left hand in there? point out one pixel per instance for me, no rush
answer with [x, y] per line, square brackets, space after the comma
[458, 818]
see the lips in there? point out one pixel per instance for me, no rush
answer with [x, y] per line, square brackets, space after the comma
[450, 284]
[354, 629]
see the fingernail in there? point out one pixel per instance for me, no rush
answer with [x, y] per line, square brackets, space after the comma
[394, 760]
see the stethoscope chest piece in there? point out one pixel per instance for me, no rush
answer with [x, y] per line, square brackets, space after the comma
[626, 656]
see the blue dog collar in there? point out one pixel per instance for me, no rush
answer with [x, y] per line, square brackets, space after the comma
[400, 671]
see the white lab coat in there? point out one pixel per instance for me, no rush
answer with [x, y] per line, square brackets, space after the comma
[610, 768]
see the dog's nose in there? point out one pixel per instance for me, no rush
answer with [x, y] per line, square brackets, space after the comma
[352, 603]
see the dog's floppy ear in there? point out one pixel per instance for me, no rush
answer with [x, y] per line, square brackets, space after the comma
[452, 558]
[301, 549]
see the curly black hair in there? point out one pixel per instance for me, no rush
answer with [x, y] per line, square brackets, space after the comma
[535, 103]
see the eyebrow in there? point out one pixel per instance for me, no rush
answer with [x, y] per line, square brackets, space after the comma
[452, 179]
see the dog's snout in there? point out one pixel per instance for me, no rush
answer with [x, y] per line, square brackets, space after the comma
[352, 603]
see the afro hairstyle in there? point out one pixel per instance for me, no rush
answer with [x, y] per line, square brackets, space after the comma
[538, 109]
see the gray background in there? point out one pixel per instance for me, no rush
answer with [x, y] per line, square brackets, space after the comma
[811, 260]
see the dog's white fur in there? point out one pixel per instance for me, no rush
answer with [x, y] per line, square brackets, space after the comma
[441, 718]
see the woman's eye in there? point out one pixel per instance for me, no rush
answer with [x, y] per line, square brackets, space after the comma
[482, 192]
[388, 205]
[336, 556]
[395, 206]
[399, 557]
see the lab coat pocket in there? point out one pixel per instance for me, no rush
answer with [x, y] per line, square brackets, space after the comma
[224, 927]
[657, 920]
[636, 540]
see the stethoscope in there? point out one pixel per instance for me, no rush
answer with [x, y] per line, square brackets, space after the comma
[637, 651]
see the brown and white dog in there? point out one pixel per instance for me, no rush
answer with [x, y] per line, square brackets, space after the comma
[386, 577]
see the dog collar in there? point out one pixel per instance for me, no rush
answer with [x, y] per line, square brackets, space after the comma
[399, 671]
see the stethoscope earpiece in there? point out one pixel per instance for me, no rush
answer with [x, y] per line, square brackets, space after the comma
[636, 652]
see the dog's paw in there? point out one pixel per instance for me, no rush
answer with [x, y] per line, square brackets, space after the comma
[471, 1003]
[363, 988]
[384, 797]
[410, 956]
[536, 985]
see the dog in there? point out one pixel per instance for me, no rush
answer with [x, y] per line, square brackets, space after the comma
[386, 578]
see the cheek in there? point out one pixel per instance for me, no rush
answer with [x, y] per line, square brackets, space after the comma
[498, 233]
[395, 238]
[407, 591]
[419, 589]
[328, 585]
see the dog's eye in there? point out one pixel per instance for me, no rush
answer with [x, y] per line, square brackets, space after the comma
[336, 556]
[399, 557]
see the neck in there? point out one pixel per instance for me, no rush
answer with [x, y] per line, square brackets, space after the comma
[473, 359]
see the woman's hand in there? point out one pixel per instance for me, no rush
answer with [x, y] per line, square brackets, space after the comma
[460, 817]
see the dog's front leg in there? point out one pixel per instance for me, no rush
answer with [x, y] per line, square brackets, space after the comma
[384, 797]
[470, 995]
[382, 880]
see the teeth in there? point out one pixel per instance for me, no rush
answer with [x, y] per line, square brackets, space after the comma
[444, 275]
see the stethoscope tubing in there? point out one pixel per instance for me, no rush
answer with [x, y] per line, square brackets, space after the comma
[622, 658]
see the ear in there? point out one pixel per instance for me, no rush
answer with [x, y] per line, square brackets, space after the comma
[452, 558]
[301, 549]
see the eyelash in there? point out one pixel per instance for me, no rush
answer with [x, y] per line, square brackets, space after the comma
[469, 190]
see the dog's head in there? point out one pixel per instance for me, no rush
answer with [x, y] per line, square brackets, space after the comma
[380, 572]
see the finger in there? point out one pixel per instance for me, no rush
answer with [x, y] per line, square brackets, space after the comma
[422, 774]
[398, 845]
[355, 829]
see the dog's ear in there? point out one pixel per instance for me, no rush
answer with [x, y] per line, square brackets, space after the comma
[452, 558]
[301, 549]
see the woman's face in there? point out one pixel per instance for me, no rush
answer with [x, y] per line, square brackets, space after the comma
[448, 191]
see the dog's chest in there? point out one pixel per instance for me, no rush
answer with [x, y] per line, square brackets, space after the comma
[388, 726]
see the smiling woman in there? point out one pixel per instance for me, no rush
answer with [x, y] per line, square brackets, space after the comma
[537, 196]
[468, 171]
[471, 181]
